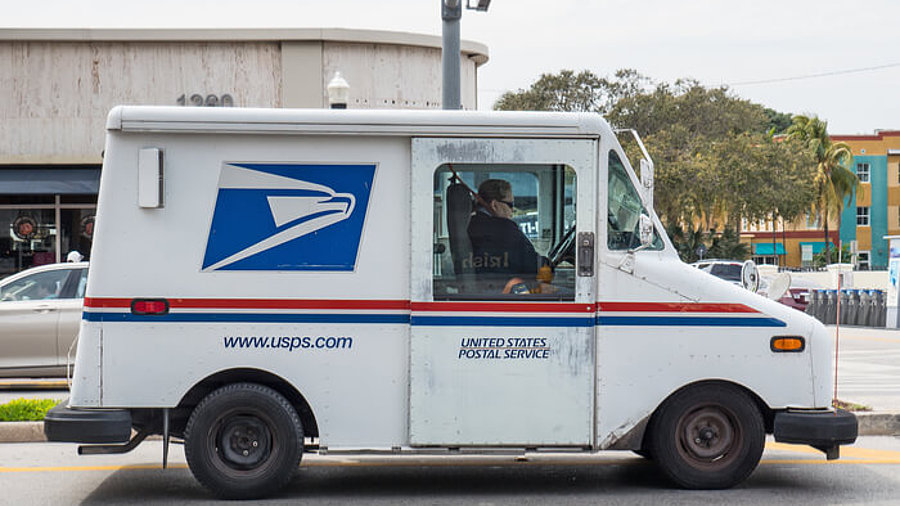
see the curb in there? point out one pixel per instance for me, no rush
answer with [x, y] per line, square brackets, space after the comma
[22, 432]
[879, 424]
[15, 384]
[870, 424]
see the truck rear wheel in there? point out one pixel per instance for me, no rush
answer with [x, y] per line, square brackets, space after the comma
[243, 441]
[707, 437]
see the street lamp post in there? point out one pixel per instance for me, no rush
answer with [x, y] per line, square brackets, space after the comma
[451, 12]
[338, 92]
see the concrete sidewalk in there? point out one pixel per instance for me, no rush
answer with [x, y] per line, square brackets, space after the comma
[868, 369]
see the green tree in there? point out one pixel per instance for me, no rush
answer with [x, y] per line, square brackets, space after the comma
[834, 180]
[568, 91]
[728, 245]
[715, 158]
[687, 242]
[832, 256]
[778, 122]
[716, 161]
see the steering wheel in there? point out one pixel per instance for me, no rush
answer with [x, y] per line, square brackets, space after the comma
[564, 250]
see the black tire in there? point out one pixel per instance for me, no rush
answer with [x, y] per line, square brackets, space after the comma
[707, 436]
[243, 441]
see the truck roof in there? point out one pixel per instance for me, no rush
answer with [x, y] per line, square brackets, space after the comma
[355, 121]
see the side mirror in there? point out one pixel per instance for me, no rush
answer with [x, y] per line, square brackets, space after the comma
[647, 181]
[646, 225]
[645, 229]
[750, 276]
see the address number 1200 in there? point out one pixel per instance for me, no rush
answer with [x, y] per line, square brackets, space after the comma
[210, 100]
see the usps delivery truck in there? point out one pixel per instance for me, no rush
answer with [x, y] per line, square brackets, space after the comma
[269, 283]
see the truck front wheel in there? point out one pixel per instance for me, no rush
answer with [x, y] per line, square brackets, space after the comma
[243, 441]
[707, 436]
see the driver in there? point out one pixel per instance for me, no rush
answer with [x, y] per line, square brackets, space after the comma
[499, 248]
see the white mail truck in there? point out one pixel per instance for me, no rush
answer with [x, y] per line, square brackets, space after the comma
[266, 284]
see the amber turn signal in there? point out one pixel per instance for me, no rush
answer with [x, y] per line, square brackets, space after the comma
[794, 344]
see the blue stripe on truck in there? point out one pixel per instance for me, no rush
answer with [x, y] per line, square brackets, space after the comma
[442, 321]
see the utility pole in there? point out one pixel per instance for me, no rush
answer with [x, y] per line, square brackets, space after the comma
[451, 12]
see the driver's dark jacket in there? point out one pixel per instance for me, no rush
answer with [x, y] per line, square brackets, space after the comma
[499, 247]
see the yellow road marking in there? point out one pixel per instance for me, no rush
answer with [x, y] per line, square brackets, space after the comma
[830, 462]
[793, 448]
[851, 453]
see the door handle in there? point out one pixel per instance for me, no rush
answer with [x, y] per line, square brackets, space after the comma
[46, 308]
[585, 254]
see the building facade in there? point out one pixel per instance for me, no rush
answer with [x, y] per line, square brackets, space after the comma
[57, 86]
[874, 210]
[871, 213]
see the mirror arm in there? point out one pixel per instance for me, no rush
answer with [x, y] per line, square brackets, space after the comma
[647, 170]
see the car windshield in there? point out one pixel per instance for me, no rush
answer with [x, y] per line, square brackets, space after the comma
[731, 272]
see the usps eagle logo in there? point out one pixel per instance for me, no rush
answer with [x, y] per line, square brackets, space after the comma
[288, 217]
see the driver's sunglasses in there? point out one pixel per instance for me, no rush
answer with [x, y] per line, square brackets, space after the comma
[508, 204]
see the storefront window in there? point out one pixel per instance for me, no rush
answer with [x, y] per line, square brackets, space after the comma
[34, 233]
[29, 239]
[76, 231]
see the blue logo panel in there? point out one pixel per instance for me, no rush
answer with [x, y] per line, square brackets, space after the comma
[276, 217]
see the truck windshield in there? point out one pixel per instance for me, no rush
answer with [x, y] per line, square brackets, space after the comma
[624, 210]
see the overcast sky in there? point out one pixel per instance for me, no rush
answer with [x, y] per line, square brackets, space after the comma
[837, 59]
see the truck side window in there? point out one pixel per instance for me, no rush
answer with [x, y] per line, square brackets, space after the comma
[624, 210]
[515, 242]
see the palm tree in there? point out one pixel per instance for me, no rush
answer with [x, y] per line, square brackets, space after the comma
[834, 180]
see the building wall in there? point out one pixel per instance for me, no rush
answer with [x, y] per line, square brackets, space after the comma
[59, 85]
[881, 194]
[791, 240]
[62, 92]
[382, 76]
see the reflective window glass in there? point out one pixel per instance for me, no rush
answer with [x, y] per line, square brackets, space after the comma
[624, 210]
[504, 231]
[38, 286]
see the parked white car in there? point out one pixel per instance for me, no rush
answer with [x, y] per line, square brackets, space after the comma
[729, 270]
[40, 311]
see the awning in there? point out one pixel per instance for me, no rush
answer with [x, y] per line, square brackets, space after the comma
[817, 247]
[76, 181]
[765, 248]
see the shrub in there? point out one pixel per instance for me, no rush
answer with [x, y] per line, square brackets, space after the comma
[26, 410]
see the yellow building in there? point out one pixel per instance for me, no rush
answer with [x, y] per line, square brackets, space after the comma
[871, 213]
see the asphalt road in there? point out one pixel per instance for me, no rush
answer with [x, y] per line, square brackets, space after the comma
[45, 474]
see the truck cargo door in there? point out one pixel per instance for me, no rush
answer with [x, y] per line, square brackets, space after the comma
[502, 290]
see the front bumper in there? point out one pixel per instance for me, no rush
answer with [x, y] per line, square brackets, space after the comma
[64, 424]
[824, 430]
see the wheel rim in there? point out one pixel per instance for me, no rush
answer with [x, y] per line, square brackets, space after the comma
[709, 436]
[243, 442]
